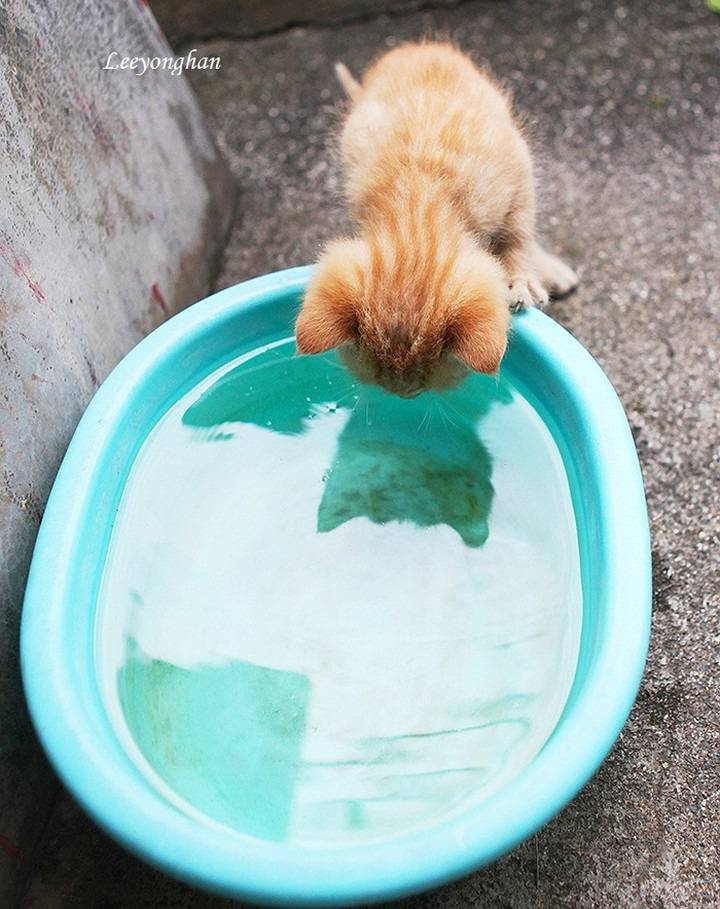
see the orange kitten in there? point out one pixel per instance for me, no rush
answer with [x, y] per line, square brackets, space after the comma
[440, 180]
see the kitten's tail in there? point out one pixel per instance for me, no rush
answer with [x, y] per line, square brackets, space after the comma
[347, 80]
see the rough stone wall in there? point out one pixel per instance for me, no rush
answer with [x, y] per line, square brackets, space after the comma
[114, 205]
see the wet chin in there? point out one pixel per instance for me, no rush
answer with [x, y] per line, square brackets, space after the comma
[368, 371]
[446, 374]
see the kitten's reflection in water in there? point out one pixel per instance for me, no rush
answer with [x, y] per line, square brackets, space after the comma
[412, 460]
[416, 460]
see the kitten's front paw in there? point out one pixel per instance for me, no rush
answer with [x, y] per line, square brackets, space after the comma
[526, 291]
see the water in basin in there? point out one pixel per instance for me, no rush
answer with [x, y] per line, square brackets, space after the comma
[329, 615]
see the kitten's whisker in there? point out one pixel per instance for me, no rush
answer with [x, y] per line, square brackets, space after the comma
[334, 365]
[446, 403]
[435, 409]
[346, 395]
[442, 417]
[447, 419]
[452, 422]
[427, 419]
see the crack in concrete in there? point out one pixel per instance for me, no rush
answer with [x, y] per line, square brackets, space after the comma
[186, 42]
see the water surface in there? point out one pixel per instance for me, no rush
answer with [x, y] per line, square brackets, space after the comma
[331, 615]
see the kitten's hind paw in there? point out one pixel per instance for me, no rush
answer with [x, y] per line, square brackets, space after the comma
[562, 281]
[526, 292]
[555, 274]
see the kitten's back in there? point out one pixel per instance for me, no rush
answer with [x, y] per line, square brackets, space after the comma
[428, 106]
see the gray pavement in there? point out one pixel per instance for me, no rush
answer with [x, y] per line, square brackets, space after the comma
[623, 102]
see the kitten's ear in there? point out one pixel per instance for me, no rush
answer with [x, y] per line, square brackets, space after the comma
[480, 344]
[328, 315]
[478, 332]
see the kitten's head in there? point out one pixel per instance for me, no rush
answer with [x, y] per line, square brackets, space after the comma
[408, 323]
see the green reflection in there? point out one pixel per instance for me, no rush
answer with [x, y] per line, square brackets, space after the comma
[418, 461]
[237, 762]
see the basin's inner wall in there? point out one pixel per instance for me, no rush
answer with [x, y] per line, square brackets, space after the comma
[327, 612]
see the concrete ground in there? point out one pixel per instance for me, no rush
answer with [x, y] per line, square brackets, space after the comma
[623, 100]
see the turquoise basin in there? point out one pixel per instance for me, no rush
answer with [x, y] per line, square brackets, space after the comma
[298, 642]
